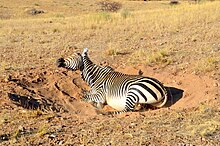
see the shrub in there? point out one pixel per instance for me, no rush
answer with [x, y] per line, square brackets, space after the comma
[109, 6]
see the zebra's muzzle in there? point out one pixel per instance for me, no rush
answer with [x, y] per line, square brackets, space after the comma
[60, 62]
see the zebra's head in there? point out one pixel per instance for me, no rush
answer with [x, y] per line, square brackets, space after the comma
[73, 62]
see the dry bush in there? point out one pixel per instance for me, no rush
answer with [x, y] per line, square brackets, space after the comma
[109, 6]
[174, 2]
[34, 11]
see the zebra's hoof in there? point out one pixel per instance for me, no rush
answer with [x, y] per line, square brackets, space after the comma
[99, 105]
[101, 113]
[108, 114]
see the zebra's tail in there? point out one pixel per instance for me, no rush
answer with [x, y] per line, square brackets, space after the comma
[113, 113]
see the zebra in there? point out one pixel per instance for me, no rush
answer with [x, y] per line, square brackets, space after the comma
[121, 91]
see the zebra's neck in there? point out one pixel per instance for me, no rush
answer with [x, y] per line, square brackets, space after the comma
[91, 72]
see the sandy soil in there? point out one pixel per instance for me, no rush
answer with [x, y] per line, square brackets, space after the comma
[67, 120]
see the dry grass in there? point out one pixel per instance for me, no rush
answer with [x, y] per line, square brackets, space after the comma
[200, 125]
[44, 41]
[207, 65]
[160, 57]
[42, 130]
[206, 128]
[23, 125]
[112, 50]
[173, 126]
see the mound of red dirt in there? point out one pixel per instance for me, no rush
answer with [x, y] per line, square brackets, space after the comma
[61, 90]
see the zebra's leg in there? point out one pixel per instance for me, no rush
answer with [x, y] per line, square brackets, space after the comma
[95, 99]
[118, 112]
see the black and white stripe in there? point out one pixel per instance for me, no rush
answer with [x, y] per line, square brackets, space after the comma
[120, 91]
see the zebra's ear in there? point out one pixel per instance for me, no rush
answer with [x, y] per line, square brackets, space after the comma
[85, 51]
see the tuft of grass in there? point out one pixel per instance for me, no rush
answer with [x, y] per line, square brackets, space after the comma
[60, 15]
[15, 134]
[36, 4]
[204, 122]
[8, 67]
[112, 50]
[100, 17]
[206, 65]
[139, 56]
[35, 113]
[125, 13]
[206, 128]
[159, 57]
[55, 30]
[209, 128]
[42, 131]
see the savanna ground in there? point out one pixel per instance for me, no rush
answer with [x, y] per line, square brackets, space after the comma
[177, 44]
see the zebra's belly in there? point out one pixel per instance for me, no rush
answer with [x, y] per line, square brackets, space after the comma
[116, 103]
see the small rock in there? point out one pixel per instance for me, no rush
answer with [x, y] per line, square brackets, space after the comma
[60, 143]
[179, 83]
[52, 136]
[163, 43]
[140, 72]
[4, 137]
[174, 2]
[215, 85]
[21, 128]
[216, 49]
[35, 12]
[6, 80]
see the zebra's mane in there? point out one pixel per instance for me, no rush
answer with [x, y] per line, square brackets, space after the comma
[85, 53]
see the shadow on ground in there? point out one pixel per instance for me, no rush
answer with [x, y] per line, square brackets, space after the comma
[29, 102]
[174, 94]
